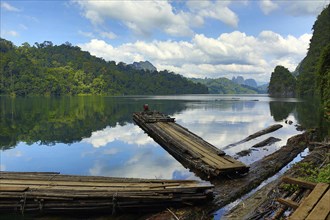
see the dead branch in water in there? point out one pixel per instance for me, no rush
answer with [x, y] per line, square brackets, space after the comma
[255, 135]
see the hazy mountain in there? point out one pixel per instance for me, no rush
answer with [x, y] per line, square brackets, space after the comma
[241, 81]
[224, 86]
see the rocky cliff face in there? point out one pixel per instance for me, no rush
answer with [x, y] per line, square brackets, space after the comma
[144, 65]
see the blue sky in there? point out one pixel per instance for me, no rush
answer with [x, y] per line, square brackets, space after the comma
[193, 38]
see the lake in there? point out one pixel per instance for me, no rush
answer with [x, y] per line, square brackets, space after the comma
[96, 135]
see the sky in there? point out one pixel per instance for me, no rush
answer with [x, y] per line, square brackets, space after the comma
[194, 38]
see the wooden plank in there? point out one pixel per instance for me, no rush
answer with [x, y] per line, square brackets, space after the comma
[309, 202]
[207, 152]
[13, 189]
[322, 208]
[128, 185]
[88, 179]
[209, 157]
[288, 202]
[68, 195]
[302, 183]
[189, 149]
[198, 139]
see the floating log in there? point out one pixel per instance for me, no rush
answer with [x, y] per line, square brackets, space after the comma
[268, 141]
[255, 135]
[193, 152]
[52, 192]
[244, 153]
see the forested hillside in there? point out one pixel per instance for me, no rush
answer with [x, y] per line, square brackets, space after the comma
[225, 86]
[308, 78]
[282, 83]
[313, 73]
[47, 69]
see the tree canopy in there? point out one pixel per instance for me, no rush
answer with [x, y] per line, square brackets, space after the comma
[47, 69]
[307, 84]
[282, 83]
[313, 71]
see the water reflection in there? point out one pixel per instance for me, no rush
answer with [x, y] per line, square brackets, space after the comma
[96, 135]
[67, 119]
[128, 133]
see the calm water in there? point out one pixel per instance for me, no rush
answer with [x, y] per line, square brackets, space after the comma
[97, 136]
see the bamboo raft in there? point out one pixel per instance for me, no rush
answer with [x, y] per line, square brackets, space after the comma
[189, 149]
[33, 192]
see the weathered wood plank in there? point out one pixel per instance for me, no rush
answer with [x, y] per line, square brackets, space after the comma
[322, 208]
[71, 193]
[189, 149]
[302, 183]
[197, 146]
[309, 202]
[12, 188]
[91, 184]
[288, 202]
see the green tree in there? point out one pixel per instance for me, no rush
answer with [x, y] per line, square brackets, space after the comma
[308, 77]
[282, 83]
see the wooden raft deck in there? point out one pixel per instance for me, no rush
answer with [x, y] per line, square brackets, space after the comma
[316, 205]
[53, 193]
[189, 149]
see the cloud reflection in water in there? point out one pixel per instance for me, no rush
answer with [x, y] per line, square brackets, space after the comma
[124, 150]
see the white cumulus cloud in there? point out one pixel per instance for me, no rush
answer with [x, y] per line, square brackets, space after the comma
[142, 17]
[146, 18]
[213, 9]
[230, 54]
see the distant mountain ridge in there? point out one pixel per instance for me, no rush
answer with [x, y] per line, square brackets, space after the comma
[225, 86]
[241, 81]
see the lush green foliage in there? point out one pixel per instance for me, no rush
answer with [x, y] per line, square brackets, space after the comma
[308, 79]
[312, 173]
[282, 83]
[47, 69]
[225, 86]
[324, 78]
[313, 71]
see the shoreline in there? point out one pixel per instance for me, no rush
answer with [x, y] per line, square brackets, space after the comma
[295, 145]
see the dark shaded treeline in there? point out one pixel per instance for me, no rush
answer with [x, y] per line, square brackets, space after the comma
[311, 77]
[47, 69]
